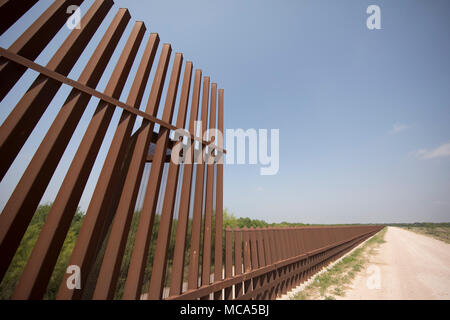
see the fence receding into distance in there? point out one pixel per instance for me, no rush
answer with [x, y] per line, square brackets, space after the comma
[194, 257]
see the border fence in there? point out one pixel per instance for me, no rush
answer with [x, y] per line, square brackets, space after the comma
[204, 261]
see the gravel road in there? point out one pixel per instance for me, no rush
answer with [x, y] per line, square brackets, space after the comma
[407, 266]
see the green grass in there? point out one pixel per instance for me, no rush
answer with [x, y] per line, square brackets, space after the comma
[334, 281]
[437, 232]
[16, 267]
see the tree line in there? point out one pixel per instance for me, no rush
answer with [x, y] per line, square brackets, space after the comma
[31, 235]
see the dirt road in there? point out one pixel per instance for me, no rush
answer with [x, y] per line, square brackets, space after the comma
[407, 266]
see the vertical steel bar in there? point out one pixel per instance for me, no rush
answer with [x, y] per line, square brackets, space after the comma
[22, 204]
[287, 269]
[293, 268]
[219, 198]
[296, 265]
[277, 257]
[268, 261]
[145, 227]
[298, 231]
[185, 197]
[254, 258]
[45, 252]
[80, 168]
[119, 167]
[12, 10]
[19, 124]
[209, 193]
[228, 262]
[282, 254]
[313, 246]
[253, 249]
[165, 225]
[238, 261]
[194, 255]
[126, 206]
[303, 250]
[274, 253]
[289, 248]
[291, 239]
[261, 260]
[30, 43]
[247, 259]
[261, 249]
[112, 259]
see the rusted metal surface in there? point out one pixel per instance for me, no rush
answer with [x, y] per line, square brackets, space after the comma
[194, 257]
[81, 166]
[106, 182]
[20, 122]
[94, 93]
[209, 194]
[285, 266]
[12, 10]
[48, 245]
[228, 262]
[238, 261]
[133, 282]
[185, 198]
[218, 263]
[165, 225]
[34, 39]
[260, 263]
[145, 226]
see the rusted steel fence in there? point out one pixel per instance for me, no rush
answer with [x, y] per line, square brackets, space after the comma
[265, 263]
[202, 261]
[113, 203]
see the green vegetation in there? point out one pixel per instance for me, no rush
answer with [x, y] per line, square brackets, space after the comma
[230, 221]
[19, 261]
[333, 282]
[440, 231]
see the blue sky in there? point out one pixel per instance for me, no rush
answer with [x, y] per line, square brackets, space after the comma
[363, 114]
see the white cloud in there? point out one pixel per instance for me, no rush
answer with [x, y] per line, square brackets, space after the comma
[399, 127]
[441, 151]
